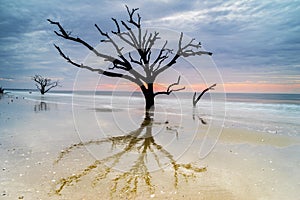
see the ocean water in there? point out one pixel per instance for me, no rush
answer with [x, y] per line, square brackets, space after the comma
[270, 113]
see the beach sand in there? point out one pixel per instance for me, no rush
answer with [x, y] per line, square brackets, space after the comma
[53, 151]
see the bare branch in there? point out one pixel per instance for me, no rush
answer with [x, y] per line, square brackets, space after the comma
[150, 42]
[67, 36]
[120, 34]
[131, 35]
[131, 13]
[125, 65]
[144, 38]
[169, 89]
[161, 57]
[52, 85]
[117, 25]
[100, 71]
[135, 61]
[137, 40]
[190, 49]
[195, 101]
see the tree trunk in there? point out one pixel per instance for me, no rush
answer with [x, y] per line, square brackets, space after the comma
[149, 108]
[149, 99]
[42, 90]
[149, 102]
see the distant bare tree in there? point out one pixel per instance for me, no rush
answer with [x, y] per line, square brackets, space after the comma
[195, 100]
[44, 84]
[143, 57]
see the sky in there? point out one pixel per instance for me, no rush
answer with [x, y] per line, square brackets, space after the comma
[255, 44]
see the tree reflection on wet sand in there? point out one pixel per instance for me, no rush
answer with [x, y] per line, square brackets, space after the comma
[126, 183]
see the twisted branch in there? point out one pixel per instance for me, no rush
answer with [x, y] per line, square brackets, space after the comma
[169, 89]
[195, 101]
[100, 71]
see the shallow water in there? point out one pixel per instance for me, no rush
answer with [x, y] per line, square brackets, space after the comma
[271, 113]
[75, 147]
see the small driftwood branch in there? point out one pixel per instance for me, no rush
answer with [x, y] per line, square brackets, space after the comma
[200, 119]
[195, 100]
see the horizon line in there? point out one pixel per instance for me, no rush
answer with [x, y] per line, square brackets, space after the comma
[68, 90]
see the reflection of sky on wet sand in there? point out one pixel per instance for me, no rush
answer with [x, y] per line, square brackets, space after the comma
[29, 141]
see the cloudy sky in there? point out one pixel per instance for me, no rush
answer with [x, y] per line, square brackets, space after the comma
[256, 44]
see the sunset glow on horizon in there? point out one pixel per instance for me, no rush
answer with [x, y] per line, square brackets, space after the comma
[226, 87]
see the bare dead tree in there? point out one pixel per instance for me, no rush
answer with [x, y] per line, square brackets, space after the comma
[125, 65]
[195, 100]
[44, 84]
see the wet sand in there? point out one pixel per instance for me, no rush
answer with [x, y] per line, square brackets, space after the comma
[47, 154]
